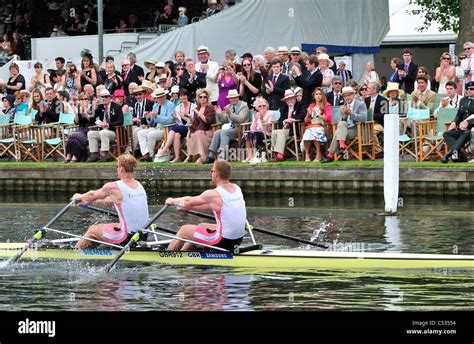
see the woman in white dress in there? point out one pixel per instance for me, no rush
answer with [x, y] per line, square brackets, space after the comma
[445, 72]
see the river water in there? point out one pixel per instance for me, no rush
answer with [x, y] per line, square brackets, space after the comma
[422, 226]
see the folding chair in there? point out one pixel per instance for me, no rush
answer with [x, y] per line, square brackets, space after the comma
[124, 135]
[8, 142]
[408, 144]
[28, 139]
[431, 134]
[55, 136]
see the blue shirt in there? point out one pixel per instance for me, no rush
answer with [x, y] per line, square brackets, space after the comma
[164, 114]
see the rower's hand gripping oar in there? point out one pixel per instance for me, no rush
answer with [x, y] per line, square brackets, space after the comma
[41, 232]
[264, 231]
[135, 238]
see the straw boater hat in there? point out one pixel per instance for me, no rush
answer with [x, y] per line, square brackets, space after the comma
[148, 86]
[233, 94]
[393, 86]
[297, 90]
[295, 50]
[323, 56]
[202, 49]
[105, 93]
[163, 77]
[288, 94]
[174, 89]
[160, 65]
[159, 92]
[150, 61]
[347, 89]
[139, 89]
[283, 50]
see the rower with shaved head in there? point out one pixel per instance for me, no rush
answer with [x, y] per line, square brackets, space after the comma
[130, 200]
[227, 204]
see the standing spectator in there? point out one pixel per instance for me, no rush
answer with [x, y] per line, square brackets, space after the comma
[466, 70]
[167, 16]
[6, 45]
[128, 76]
[210, 69]
[275, 86]
[87, 75]
[250, 83]
[227, 80]
[18, 48]
[89, 26]
[370, 74]
[445, 72]
[212, 8]
[335, 96]
[122, 26]
[344, 73]
[112, 81]
[394, 63]
[191, 80]
[407, 72]
[284, 56]
[152, 75]
[40, 80]
[16, 82]
[134, 68]
[325, 65]
[308, 80]
[183, 18]
[270, 54]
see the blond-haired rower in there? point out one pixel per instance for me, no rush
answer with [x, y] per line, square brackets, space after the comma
[129, 199]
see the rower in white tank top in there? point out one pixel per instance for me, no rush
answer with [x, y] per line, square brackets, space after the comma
[133, 210]
[231, 218]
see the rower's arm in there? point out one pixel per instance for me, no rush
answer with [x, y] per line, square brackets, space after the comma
[203, 202]
[107, 192]
[108, 201]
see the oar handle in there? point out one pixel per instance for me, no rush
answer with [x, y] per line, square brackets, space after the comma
[264, 231]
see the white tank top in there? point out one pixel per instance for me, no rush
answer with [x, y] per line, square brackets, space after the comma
[233, 214]
[133, 210]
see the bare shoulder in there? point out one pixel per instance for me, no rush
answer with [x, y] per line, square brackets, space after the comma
[110, 187]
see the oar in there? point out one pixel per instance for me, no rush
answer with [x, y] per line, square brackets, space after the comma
[261, 230]
[39, 234]
[135, 238]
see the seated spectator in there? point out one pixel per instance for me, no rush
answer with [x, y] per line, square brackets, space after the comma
[363, 92]
[119, 98]
[459, 130]
[151, 64]
[18, 48]
[162, 114]
[200, 132]
[108, 115]
[8, 102]
[352, 111]
[395, 101]
[36, 99]
[122, 26]
[261, 126]
[40, 80]
[292, 110]
[167, 17]
[377, 105]
[319, 113]
[76, 145]
[6, 45]
[174, 95]
[49, 109]
[212, 8]
[231, 116]
[451, 100]
[141, 107]
[422, 97]
[394, 63]
[183, 114]
[424, 72]
[20, 105]
[63, 97]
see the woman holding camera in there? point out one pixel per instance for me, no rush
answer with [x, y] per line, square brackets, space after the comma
[40, 79]
[227, 80]
[319, 113]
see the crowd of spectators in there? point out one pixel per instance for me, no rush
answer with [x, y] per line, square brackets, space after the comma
[191, 92]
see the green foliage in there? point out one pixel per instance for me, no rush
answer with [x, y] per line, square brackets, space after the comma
[445, 12]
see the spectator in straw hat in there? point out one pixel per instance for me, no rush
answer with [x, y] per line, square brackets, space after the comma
[210, 69]
[231, 116]
[141, 107]
[325, 65]
[284, 56]
[150, 64]
[352, 111]
[109, 115]
[162, 114]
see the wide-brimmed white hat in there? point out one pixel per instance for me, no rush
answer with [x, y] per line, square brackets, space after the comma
[104, 93]
[393, 86]
[288, 94]
[295, 50]
[174, 89]
[150, 61]
[202, 49]
[233, 94]
[160, 65]
[324, 56]
[347, 89]
[283, 50]
[159, 92]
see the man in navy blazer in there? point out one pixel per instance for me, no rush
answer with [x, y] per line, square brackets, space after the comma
[407, 72]
[309, 80]
[377, 105]
[275, 86]
[335, 96]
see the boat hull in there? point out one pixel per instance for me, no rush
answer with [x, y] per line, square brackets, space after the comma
[276, 259]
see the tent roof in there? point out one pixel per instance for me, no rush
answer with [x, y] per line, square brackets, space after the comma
[403, 26]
